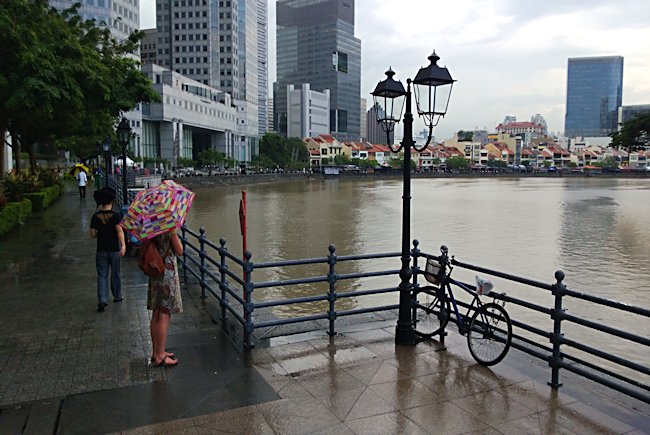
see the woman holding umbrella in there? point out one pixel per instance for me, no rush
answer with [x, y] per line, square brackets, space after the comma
[154, 217]
[164, 297]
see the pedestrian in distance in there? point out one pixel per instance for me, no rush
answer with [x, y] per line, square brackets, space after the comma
[105, 227]
[164, 297]
[82, 180]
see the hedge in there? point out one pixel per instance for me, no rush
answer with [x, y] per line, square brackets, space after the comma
[14, 213]
[44, 198]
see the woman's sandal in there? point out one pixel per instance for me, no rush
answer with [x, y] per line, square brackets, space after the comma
[167, 354]
[164, 362]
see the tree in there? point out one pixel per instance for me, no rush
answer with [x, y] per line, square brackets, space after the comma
[276, 151]
[497, 164]
[64, 80]
[458, 163]
[607, 162]
[634, 135]
[212, 157]
[342, 159]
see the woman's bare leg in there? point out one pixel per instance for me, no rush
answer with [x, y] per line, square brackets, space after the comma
[159, 327]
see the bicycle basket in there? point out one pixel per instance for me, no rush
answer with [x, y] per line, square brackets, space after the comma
[432, 271]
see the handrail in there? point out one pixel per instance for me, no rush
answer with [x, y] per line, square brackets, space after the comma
[561, 344]
[230, 281]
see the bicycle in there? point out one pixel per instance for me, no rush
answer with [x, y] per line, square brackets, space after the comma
[489, 330]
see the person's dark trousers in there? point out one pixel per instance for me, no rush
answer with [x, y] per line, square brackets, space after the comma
[82, 192]
[104, 261]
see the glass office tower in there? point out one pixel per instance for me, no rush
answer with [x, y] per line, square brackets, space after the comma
[316, 45]
[594, 94]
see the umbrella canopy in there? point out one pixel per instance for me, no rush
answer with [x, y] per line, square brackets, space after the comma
[157, 210]
[78, 168]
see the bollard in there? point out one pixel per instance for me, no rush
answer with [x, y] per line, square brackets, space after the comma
[557, 314]
[202, 257]
[223, 267]
[331, 294]
[248, 302]
[184, 243]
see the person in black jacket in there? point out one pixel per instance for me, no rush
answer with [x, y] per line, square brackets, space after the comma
[105, 227]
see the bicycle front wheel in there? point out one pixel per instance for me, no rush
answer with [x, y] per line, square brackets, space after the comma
[490, 334]
[432, 311]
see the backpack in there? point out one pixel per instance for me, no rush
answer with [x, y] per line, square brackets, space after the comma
[149, 259]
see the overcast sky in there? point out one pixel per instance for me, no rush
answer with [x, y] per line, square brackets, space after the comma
[509, 56]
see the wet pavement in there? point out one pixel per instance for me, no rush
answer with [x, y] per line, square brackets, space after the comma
[64, 368]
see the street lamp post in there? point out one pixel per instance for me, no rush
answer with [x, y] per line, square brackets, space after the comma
[107, 155]
[432, 87]
[123, 135]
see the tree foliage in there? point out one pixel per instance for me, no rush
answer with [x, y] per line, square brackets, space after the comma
[457, 163]
[276, 151]
[64, 80]
[634, 135]
[607, 162]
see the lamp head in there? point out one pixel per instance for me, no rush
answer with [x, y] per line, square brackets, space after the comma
[124, 132]
[433, 85]
[388, 97]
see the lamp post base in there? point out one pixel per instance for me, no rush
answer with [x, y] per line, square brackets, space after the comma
[404, 335]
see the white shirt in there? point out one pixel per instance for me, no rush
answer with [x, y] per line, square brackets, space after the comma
[82, 177]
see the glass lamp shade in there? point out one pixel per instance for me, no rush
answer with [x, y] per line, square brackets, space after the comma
[124, 132]
[432, 86]
[388, 98]
[106, 145]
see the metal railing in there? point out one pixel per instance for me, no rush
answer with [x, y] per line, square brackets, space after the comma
[561, 352]
[211, 265]
[215, 270]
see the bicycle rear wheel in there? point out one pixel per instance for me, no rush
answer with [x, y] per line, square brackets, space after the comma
[490, 334]
[432, 311]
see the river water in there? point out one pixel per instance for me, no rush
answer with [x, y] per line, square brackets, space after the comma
[596, 230]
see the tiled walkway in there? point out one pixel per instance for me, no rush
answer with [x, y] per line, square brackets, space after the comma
[360, 382]
[65, 368]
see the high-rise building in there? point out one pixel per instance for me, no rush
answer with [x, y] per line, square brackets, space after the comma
[363, 126]
[374, 133]
[594, 94]
[309, 112]
[217, 43]
[262, 65]
[627, 113]
[315, 44]
[122, 17]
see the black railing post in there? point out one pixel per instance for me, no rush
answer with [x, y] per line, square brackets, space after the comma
[248, 299]
[557, 314]
[202, 257]
[331, 294]
[223, 283]
[415, 254]
[184, 243]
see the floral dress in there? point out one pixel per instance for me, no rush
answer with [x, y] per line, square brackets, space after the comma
[165, 291]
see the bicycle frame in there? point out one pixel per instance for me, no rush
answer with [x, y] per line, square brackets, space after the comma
[460, 319]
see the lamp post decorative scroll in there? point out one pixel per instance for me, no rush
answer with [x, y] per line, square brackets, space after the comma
[124, 135]
[433, 86]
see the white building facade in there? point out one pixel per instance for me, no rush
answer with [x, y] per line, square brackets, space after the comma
[191, 118]
[308, 113]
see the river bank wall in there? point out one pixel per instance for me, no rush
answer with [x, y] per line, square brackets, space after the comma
[237, 180]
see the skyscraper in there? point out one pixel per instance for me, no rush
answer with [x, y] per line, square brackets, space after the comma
[594, 94]
[216, 42]
[122, 17]
[316, 45]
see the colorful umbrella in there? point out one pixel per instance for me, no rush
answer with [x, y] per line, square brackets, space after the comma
[78, 168]
[157, 210]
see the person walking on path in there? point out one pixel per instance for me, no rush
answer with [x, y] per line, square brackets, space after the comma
[105, 227]
[82, 179]
[164, 297]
